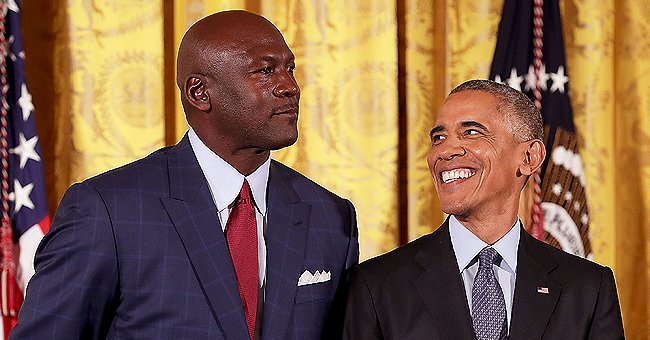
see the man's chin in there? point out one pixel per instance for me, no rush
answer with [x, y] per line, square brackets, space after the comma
[453, 208]
[283, 142]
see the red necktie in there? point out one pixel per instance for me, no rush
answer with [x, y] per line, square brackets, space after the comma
[241, 233]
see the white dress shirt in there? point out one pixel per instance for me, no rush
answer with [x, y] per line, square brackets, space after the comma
[467, 246]
[225, 183]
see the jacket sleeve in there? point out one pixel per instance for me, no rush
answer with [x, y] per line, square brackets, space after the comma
[353, 247]
[73, 292]
[361, 319]
[334, 325]
[607, 322]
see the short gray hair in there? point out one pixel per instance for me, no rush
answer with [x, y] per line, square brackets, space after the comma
[524, 118]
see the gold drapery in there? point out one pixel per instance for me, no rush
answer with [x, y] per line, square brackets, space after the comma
[372, 75]
[95, 70]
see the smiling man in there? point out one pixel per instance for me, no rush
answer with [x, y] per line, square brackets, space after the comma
[210, 238]
[481, 275]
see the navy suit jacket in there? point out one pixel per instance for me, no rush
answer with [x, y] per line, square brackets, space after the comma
[417, 292]
[138, 253]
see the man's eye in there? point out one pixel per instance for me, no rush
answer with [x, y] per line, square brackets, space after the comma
[291, 69]
[267, 70]
[472, 132]
[437, 138]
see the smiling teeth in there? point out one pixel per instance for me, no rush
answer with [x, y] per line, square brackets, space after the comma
[452, 175]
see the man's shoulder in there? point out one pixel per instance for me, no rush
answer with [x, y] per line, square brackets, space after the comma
[150, 168]
[569, 265]
[304, 186]
[400, 260]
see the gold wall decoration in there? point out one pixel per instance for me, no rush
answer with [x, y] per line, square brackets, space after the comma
[115, 82]
[107, 67]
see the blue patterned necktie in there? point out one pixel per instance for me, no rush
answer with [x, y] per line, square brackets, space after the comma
[488, 305]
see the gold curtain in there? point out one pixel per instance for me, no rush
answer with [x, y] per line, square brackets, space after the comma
[608, 50]
[347, 67]
[97, 75]
[372, 75]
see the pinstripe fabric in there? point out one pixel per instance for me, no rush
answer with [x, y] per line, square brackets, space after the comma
[138, 253]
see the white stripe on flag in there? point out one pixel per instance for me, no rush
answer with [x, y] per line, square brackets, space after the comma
[28, 243]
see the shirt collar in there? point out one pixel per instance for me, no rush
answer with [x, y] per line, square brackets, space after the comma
[467, 245]
[225, 181]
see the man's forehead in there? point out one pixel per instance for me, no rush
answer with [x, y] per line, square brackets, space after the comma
[261, 52]
[467, 106]
[269, 45]
[471, 98]
[460, 119]
[250, 50]
[238, 29]
[251, 41]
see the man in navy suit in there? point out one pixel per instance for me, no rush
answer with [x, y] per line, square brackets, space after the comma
[141, 252]
[481, 275]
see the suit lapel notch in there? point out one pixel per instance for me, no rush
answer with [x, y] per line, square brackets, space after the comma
[186, 178]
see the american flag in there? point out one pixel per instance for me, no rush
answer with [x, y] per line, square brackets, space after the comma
[25, 216]
[529, 57]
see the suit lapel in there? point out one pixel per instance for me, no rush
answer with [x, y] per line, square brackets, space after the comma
[441, 287]
[193, 214]
[532, 310]
[286, 243]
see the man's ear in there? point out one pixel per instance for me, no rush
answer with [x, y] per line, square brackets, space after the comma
[197, 94]
[534, 153]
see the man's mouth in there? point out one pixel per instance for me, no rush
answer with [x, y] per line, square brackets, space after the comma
[449, 176]
[289, 109]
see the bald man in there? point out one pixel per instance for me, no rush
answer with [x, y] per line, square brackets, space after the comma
[210, 238]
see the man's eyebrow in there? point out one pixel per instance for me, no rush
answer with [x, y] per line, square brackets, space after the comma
[275, 57]
[436, 129]
[475, 124]
[268, 58]
[463, 124]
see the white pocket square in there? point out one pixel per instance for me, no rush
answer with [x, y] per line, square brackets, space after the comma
[307, 278]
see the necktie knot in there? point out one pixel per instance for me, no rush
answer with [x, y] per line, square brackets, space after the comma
[245, 195]
[487, 257]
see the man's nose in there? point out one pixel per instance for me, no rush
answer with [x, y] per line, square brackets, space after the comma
[451, 148]
[287, 87]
